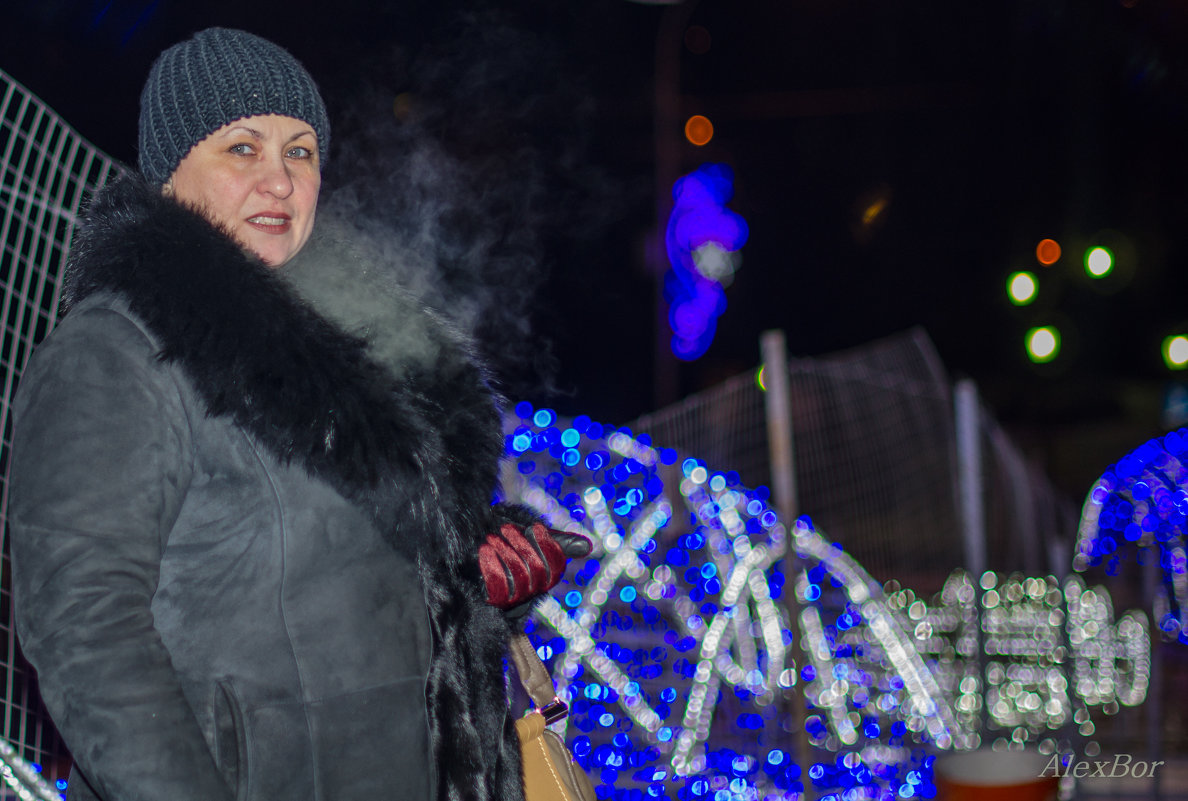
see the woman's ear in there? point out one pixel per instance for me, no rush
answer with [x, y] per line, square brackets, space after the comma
[167, 188]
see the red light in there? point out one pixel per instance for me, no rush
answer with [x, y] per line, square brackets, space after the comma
[699, 130]
[1047, 252]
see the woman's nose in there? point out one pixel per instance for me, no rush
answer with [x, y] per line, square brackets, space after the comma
[275, 179]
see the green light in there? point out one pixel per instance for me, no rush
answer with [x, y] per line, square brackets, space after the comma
[1043, 344]
[1098, 261]
[1021, 288]
[1175, 352]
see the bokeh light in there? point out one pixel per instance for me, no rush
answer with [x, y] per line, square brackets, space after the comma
[1047, 252]
[1043, 344]
[1022, 287]
[1175, 352]
[873, 209]
[699, 130]
[1099, 261]
[702, 241]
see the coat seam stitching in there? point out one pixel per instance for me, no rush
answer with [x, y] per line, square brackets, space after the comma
[284, 531]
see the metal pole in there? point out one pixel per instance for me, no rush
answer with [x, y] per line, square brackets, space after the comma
[783, 485]
[1025, 516]
[969, 476]
[667, 141]
[971, 502]
[779, 424]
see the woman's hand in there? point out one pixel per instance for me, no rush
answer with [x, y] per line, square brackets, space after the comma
[519, 564]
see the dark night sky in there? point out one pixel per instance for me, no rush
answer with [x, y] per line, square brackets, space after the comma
[985, 126]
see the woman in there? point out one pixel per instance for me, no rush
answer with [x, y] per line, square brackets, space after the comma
[255, 554]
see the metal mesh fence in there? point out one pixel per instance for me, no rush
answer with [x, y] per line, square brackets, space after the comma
[876, 465]
[46, 172]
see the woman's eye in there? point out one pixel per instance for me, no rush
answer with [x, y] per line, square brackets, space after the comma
[242, 149]
[299, 153]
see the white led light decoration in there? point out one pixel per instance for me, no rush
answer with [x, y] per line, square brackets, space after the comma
[22, 778]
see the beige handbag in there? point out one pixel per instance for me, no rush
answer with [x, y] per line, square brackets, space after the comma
[549, 771]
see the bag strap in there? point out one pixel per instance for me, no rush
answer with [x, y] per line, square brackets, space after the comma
[536, 679]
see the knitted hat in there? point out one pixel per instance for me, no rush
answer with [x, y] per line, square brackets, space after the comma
[219, 76]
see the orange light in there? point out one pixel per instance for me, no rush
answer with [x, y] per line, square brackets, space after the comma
[1047, 252]
[699, 130]
[872, 211]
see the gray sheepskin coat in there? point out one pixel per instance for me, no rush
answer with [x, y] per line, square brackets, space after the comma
[244, 526]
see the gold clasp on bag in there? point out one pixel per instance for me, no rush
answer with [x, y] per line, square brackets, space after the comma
[558, 710]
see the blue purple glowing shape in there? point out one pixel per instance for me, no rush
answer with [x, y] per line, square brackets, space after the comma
[701, 238]
[1142, 503]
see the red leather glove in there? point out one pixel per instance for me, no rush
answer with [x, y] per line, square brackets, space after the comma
[521, 563]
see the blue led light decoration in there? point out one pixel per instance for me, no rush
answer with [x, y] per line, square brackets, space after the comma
[1139, 507]
[702, 240]
[672, 646]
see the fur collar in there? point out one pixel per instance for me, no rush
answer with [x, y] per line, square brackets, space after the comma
[389, 405]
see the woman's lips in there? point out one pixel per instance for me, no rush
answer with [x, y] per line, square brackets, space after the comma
[270, 222]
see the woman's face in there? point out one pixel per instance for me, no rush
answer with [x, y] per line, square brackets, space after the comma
[258, 178]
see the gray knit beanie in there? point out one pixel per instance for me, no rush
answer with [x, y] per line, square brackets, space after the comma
[219, 76]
